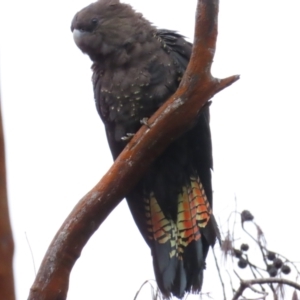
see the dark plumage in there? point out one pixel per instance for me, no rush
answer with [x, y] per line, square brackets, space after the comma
[136, 67]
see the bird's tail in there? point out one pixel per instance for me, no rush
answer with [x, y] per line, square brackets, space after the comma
[179, 247]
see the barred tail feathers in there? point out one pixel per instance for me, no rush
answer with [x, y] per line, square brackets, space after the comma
[178, 247]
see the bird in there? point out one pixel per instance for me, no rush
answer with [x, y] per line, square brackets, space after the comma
[136, 67]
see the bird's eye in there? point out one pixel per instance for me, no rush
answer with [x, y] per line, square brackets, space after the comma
[94, 21]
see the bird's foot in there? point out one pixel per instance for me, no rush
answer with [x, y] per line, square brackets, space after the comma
[127, 137]
[144, 121]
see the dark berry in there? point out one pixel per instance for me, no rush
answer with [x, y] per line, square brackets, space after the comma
[285, 269]
[244, 247]
[271, 255]
[242, 263]
[272, 271]
[277, 262]
[269, 267]
[237, 253]
[246, 216]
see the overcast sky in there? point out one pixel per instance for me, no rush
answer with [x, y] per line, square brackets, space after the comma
[57, 151]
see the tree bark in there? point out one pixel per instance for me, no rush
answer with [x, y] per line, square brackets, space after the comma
[6, 239]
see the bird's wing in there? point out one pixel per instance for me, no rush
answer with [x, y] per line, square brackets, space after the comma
[199, 136]
[172, 204]
[179, 49]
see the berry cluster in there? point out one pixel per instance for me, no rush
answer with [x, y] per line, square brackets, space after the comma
[274, 268]
[243, 262]
[276, 265]
[273, 262]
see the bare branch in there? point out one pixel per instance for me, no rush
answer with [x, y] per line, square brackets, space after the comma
[6, 239]
[249, 283]
[172, 119]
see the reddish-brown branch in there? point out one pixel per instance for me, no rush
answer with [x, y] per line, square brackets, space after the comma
[6, 239]
[172, 119]
[249, 283]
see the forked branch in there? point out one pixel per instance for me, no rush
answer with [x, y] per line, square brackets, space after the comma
[173, 118]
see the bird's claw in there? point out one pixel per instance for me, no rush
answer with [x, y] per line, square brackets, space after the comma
[127, 137]
[144, 121]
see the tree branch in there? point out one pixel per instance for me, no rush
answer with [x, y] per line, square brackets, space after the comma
[173, 118]
[248, 284]
[6, 239]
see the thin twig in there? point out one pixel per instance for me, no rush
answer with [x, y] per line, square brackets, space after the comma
[230, 280]
[263, 292]
[32, 257]
[219, 272]
[253, 268]
[155, 296]
[237, 275]
[262, 248]
[256, 268]
[234, 220]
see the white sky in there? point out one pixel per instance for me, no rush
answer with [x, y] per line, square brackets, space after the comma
[57, 151]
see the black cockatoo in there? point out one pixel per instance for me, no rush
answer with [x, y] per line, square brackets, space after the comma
[136, 67]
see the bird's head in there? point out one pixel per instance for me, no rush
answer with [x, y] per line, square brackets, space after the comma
[107, 27]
